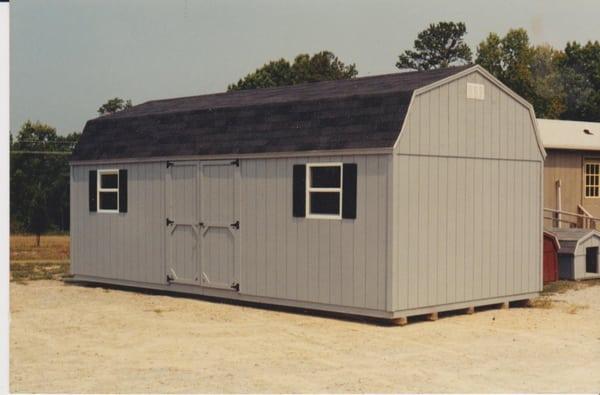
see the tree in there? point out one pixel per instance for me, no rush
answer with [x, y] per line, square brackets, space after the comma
[39, 163]
[548, 89]
[532, 72]
[439, 46]
[580, 74]
[321, 66]
[39, 213]
[114, 105]
[509, 59]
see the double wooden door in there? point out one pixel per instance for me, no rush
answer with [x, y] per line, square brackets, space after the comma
[202, 223]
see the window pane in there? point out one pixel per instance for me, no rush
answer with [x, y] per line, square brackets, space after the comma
[325, 177]
[108, 200]
[109, 181]
[325, 203]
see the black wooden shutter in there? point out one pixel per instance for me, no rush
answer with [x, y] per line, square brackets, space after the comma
[93, 189]
[299, 192]
[123, 190]
[349, 191]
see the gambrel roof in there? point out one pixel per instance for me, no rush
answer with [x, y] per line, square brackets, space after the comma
[365, 112]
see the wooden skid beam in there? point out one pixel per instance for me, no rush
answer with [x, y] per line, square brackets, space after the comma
[400, 321]
[432, 316]
[470, 310]
[504, 305]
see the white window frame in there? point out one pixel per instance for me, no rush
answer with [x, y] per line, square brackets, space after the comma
[585, 176]
[310, 189]
[100, 189]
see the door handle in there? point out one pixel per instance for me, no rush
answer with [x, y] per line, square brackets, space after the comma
[235, 225]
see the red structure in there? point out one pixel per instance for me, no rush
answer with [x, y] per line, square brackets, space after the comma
[551, 247]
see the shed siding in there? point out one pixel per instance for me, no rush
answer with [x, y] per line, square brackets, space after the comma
[467, 198]
[127, 246]
[580, 258]
[336, 262]
[340, 262]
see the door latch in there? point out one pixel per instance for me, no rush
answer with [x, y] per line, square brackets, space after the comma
[236, 286]
[169, 164]
[170, 278]
[170, 222]
[235, 225]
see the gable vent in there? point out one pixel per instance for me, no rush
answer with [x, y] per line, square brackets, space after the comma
[475, 91]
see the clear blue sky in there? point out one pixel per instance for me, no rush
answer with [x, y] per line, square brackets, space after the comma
[70, 56]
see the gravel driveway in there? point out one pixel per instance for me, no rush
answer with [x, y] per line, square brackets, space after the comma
[67, 338]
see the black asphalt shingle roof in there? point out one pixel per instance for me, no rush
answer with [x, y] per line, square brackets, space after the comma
[364, 112]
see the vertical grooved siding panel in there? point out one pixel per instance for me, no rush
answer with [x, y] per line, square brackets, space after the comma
[359, 236]
[127, 246]
[403, 230]
[340, 262]
[467, 214]
[371, 225]
[383, 241]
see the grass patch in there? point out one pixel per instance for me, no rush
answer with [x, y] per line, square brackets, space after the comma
[22, 271]
[543, 302]
[52, 248]
[560, 287]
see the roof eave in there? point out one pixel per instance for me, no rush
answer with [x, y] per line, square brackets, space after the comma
[265, 155]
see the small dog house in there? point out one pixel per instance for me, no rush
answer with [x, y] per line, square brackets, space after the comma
[578, 254]
[551, 247]
[384, 196]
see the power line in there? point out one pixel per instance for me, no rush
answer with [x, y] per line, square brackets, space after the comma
[42, 152]
[46, 142]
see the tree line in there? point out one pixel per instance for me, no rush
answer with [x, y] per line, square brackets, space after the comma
[559, 83]
[39, 175]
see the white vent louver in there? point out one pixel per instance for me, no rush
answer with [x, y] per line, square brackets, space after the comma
[475, 91]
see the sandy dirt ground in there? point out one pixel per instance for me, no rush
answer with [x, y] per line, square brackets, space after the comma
[67, 338]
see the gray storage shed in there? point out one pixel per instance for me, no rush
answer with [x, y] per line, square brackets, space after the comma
[578, 254]
[384, 196]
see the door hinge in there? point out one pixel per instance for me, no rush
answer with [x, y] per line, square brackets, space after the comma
[236, 286]
[169, 164]
[235, 225]
[170, 222]
[235, 162]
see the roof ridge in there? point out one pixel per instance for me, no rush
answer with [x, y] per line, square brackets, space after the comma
[304, 84]
[123, 115]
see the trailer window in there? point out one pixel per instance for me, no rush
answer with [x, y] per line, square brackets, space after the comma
[591, 260]
[108, 191]
[592, 180]
[324, 190]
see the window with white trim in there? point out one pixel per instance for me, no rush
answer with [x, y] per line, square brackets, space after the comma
[324, 190]
[592, 180]
[108, 191]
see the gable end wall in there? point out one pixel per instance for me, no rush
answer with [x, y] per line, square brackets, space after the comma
[467, 198]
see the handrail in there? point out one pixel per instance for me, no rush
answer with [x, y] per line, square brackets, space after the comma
[588, 222]
[562, 220]
[570, 213]
[583, 220]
